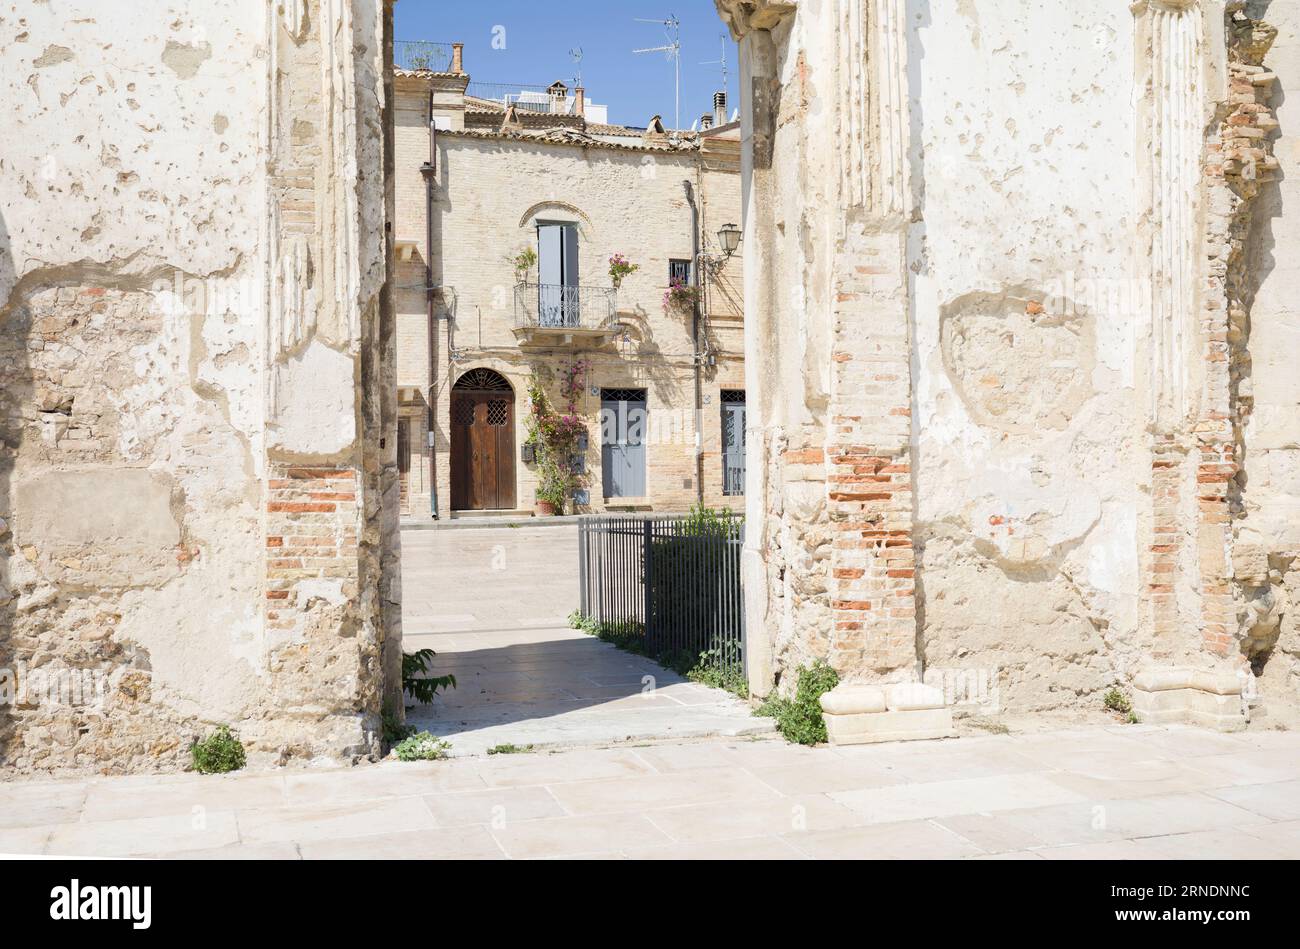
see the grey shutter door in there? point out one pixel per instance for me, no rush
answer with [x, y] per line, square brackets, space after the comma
[622, 448]
[733, 448]
[569, 235]
[550, 274]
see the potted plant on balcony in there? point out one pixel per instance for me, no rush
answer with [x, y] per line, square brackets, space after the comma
[620, 268]
[523, 263]
[680, 296]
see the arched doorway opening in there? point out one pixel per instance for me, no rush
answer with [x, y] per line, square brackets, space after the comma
[482, 442]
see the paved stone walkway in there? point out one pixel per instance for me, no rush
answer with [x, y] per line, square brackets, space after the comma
[1111, 793]
[494, 604]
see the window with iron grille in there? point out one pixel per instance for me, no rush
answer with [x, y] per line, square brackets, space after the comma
[679, 270]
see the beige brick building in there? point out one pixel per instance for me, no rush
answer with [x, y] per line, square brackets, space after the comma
[517, 171]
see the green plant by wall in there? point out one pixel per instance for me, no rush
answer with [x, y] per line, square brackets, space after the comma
[523, 262]
[799, 719]
[415, 683]
[219, 753]
[680, 296]
[556, 436]
[422, 747]
[508, 749]
[1117, 701]
[394, 729]
[722, 668]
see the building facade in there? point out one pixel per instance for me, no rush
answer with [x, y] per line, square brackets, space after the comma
[1020, 365]
[521, 205]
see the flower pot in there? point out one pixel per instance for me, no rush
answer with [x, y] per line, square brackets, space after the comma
[544, 508]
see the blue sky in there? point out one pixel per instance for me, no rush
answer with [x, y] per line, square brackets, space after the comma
[538, 36]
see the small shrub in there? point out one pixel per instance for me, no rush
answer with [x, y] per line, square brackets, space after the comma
[799, 719]
[508, 749]
[219, 753]
[415, 683]
[714, 669]
[422, 747]
[1117, 701]
[394, 730]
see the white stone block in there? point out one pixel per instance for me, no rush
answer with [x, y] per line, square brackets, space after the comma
[849, 699]
[911, 725]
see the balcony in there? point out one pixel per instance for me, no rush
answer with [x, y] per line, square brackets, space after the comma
[549, 314]
[418, 55]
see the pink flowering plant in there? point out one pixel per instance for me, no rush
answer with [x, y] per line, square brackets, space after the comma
[555, 436]
[680, 295]
[620, 268]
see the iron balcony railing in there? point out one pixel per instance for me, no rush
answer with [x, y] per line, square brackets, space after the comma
[556, 306]
[419, 54]
[668, 586]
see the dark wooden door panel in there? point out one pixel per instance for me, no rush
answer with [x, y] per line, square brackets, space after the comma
[483, 451]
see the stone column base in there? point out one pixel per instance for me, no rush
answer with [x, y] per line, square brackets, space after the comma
[1211, 699]
[858, 714]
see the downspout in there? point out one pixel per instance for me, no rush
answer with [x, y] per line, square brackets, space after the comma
[429, 170]
[695, 343]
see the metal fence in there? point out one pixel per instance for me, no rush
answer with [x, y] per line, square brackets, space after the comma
[422, 55]
[668, 586]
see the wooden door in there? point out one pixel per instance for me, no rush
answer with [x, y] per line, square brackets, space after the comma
[482, 450]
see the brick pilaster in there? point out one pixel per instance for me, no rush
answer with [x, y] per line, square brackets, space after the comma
[868, 463]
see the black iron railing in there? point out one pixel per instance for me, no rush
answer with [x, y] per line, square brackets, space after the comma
[666, 586]
[556, 306]
[422, 55]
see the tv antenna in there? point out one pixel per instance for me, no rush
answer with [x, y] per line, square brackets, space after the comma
[673, 52]
[722, 42]
[575, 54]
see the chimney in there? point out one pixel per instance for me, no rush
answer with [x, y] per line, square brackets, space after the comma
[720, 108]
[457, 58]
[706, 121]
[580, 101]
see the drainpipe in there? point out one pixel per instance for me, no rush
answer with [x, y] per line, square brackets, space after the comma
[429, 170]
[695, 343]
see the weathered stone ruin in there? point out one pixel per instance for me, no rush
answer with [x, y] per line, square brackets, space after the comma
[1020, 353]
[196, 354]
[1020, 349]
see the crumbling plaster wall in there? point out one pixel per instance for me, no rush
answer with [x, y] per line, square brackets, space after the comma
[1027, 453]
[147, 257]
[1056, 201]
[1267, 558]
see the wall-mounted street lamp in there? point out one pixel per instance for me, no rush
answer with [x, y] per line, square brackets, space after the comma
[729, 238]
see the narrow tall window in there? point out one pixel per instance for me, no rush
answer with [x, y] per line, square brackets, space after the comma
[733, 441]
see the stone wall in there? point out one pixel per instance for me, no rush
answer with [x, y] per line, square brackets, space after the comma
[1002, 341]
[197, 360]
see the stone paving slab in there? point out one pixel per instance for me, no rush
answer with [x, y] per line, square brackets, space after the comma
[962, 798]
